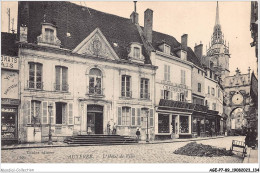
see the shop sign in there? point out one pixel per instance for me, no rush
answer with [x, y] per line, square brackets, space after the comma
[9, 84]
[8, 110]
[6, 101]
[174, 86]
[9, 62]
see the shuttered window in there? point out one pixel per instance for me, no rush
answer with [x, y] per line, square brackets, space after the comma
[70, 114]
[151, 117]
[138, 116]
[183, 77]
[119, 115]
[51, 113]
[35, 112]
[133, 116]
[44, 112]
[167, 71]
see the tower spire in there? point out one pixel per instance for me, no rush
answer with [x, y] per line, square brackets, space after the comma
[217, 16]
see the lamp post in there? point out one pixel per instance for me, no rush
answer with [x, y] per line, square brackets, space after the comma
[50, 135]
[147, 135]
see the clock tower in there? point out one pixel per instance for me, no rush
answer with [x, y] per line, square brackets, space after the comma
[218, 51]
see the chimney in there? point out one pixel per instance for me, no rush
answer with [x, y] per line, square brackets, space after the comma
[23, 20]
[148, 24]
[198, 50]
[134, 16]
[184, 41]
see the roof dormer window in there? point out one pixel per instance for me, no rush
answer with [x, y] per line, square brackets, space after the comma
[48, 36]
[167, 49]
[137, 52]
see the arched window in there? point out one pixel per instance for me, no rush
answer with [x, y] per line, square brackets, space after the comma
[95, 81]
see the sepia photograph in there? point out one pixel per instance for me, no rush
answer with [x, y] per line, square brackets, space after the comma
[97, 83]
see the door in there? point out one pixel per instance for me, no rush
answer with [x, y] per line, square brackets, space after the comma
[198, 128]
[91, 123]
[98, 123]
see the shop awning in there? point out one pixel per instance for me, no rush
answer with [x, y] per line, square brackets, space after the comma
[171, 105]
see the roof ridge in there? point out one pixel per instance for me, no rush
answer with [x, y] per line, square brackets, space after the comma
[105, 13]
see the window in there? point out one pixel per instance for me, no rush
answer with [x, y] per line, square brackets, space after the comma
[61, 113]
[182, 98]
[167, 49]
[163, 123]
[184, 124]
[35, 112]
[208, 90]
[183, 77]
[198, 71]
[199, 87]
[35, 75]
[49, 35]
[167, 71]
[125, 116]
[61, 78]
[137, 52]
[210, 74]
[213, 91]
[206, 102]
[126, 88]
[95, 81]
[166, 94]
[144, 94]
[214, 107]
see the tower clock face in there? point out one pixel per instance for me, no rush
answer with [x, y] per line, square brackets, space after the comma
[237, 99]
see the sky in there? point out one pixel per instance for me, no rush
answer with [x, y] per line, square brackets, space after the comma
[175, 18]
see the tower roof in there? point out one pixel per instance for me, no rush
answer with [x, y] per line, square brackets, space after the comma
[217, 16]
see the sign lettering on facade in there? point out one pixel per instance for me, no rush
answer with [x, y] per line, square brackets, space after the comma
[8, 62]
[9, 84]
[8, 110]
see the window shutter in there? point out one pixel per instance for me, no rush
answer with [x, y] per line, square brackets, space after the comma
[27, 112]
[52, 113]
[119, 115]
[184, 77]
[169, 72]
[44, 112]
[165, 72]
[171, 93]
[57, 78]
[151, 117]
[138, 116]
[64, 114]
[133, 116]
[70, 114]
[178, 97]
[162, 94]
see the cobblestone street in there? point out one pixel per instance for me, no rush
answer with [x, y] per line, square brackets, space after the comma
[143, 153]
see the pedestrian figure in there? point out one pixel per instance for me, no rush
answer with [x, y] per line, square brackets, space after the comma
[114, 129]
[247, 139]
[108, 128]
[138, 134]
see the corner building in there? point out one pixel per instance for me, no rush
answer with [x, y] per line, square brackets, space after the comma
[80, 71]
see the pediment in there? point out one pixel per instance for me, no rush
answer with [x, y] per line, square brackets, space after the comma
[96, 45]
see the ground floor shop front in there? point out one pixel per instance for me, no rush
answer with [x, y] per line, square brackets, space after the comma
[185, 120]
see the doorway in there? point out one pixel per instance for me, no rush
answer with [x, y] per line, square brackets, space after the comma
[198, 128]
[95, 119]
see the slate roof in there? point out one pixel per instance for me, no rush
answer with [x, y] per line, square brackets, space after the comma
[8, 45]
[80, 21]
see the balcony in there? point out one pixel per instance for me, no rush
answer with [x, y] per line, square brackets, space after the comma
[95, 91]
[35, 85]
[126, 94]
[62, 88]
[145, 96]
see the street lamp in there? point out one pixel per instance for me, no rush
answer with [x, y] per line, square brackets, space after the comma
[50, 135]
[147, 135]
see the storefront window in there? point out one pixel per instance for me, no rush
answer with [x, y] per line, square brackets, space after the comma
[202, 123]
[194, 124]
[184, 124]
[163, 123]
